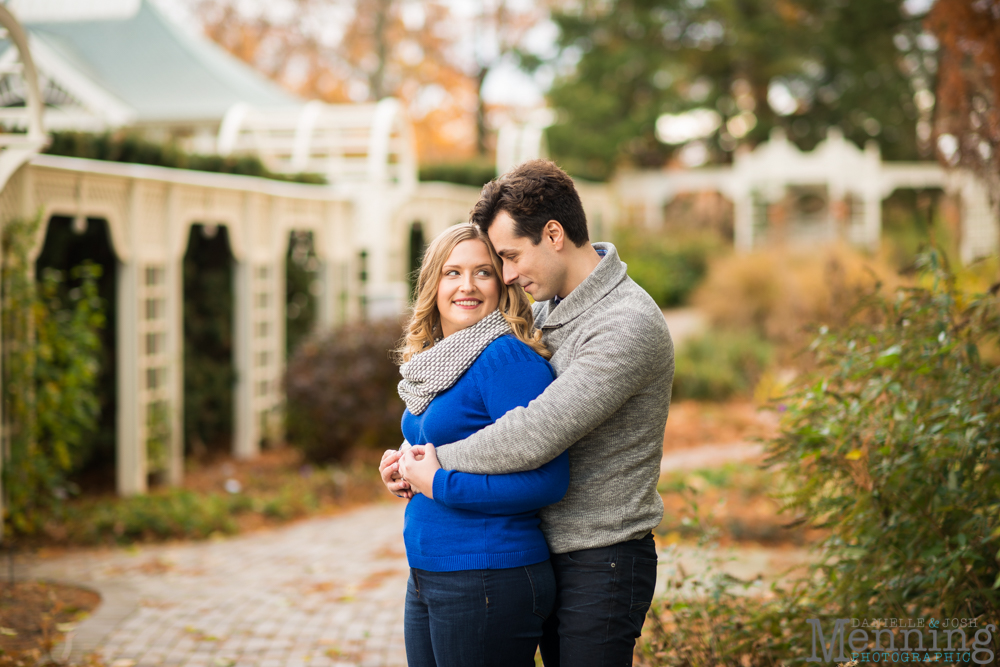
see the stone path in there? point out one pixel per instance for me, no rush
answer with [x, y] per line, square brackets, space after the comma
[710, 456]
[323, 592]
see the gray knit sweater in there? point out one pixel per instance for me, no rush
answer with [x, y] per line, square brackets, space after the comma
[614, 362]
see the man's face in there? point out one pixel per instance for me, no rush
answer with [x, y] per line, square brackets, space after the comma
[536, 268]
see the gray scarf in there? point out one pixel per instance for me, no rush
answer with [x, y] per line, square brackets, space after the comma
[436, 369]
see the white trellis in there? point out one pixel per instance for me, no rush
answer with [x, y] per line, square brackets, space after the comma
[150, 212]
[850, 182]
[367, 154]
[18, 142]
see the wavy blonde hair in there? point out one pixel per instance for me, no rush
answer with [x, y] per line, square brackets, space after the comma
[424, 326]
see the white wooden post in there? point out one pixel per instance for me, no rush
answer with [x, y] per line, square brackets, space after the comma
[743, 221]
[131, 451]
[244, 431]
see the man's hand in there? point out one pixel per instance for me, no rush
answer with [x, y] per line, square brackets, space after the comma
[388, 469]
[418, 466]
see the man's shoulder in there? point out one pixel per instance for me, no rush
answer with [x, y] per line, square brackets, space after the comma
[629, 305]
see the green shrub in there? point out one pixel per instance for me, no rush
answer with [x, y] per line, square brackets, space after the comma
[51, 359]
[476, 173]
[209, 374]
[132, 148]
[778, 292]
[667, 266]
[892, 446]
[341, 391]
[717, 366]
[302, 269]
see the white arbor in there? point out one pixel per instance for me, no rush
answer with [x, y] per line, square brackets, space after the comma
[843, 184]
[367, 154]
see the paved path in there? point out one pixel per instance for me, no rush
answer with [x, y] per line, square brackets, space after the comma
[684, 323]
[319, 593]
[323, 592]
[710, 456]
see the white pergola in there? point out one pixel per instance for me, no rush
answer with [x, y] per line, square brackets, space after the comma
[367, 154]
[852, 183]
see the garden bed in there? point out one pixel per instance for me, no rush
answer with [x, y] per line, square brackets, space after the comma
[35, 616]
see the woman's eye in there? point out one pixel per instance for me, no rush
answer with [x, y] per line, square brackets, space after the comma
[486, 273]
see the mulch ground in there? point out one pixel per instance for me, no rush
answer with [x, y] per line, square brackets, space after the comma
[697, 423]
[36, 615]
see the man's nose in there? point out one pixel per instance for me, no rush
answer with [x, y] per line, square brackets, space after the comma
[509, 274]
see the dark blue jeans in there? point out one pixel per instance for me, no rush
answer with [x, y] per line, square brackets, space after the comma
[474, 618]
[603, 596]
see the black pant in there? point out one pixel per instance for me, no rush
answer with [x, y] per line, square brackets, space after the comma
[602, 596]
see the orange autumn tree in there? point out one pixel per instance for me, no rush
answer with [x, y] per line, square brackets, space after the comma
[967, 122]
[359, 51]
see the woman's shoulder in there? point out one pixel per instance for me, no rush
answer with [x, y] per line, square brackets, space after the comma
[508, 351]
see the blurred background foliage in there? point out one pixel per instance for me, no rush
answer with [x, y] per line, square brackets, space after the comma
[668, 266]
[133, 148]
[302, 287]
[341, 393]
[802, 65]
[51, 366]
[209, 374]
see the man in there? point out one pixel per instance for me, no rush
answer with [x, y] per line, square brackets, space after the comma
[614, 365]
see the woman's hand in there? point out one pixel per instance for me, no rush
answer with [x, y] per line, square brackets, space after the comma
[388, 469]
[418, 466]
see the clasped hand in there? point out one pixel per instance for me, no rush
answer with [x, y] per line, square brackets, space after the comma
[406, 473]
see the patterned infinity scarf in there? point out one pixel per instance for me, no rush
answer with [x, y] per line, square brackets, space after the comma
[432, 371]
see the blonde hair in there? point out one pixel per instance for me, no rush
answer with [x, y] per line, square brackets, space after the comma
[424, 326]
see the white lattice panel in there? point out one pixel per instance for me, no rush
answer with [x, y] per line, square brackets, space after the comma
[154, 365]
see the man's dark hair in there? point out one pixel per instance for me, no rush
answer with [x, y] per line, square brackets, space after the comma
[532, 194]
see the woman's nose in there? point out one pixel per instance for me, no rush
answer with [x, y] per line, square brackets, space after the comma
[468, 284]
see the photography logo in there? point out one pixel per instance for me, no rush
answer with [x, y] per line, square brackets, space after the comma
[882, 640]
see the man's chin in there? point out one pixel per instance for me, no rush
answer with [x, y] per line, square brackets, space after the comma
[536, 293]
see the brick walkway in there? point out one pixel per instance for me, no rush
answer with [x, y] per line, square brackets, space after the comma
[319, 593]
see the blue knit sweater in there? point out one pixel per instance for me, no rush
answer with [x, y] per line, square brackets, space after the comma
[482, 521]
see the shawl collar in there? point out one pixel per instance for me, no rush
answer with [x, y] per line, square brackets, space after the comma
[607, 275]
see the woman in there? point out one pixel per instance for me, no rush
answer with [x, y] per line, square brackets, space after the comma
[480, 580]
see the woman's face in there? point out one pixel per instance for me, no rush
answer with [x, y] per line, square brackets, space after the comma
[469, 288]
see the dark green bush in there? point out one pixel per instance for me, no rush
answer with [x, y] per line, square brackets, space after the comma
[301, 288]
[667, 266]
[209, 374]
[476, 173]
[132, 148]
[895, 448]
[717, 366]
[341, 391]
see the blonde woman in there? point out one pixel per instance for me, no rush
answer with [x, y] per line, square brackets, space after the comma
[480, 580]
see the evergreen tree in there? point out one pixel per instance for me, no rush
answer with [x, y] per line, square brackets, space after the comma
[803, 65]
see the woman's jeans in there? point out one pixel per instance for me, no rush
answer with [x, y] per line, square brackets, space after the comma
[474, 618]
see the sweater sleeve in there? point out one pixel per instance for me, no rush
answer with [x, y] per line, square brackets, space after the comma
[614, 363]
[511, 385]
